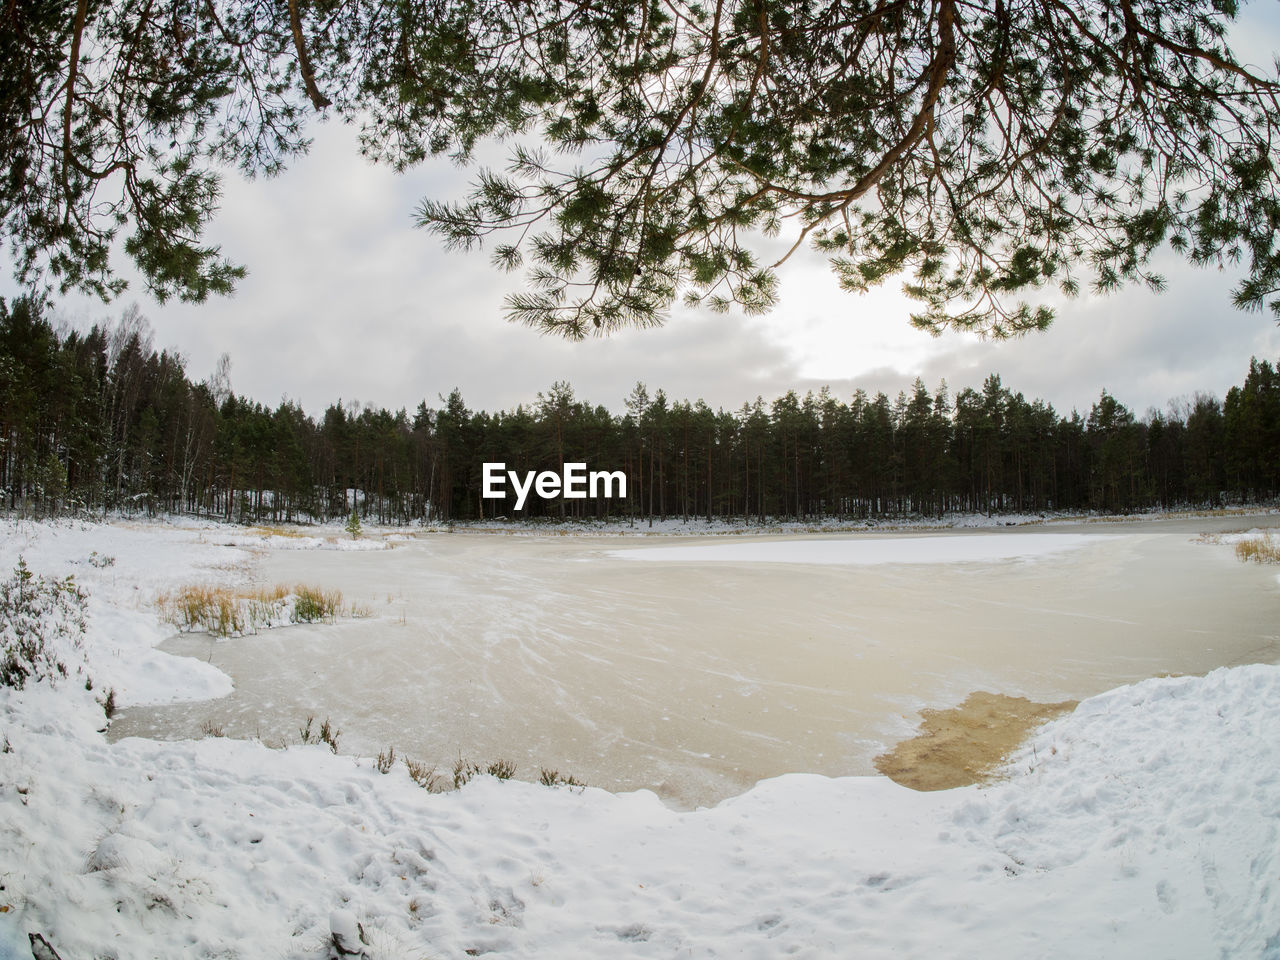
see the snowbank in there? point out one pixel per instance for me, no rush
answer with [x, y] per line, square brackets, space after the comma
[1144, 824]
[275, 541]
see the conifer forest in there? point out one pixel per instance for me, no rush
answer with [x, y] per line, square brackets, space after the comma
[101, 421]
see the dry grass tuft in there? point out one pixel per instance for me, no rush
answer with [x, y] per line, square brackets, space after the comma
[386, 760]
[423, 775]
[312, 604]
[199, 607]
[1261, 549]
[211, 728]
[464, 770]
[328, 734]
[292, 532]
[553, 778]
[502, 769]
[266, 605]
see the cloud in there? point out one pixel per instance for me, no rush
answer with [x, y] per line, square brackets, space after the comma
[1145, 348]
[345, 299]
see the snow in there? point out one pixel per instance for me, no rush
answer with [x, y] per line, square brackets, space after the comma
[978, 548]
[278, 542]
[123, 567]
[1239, 536]
[1143, 824]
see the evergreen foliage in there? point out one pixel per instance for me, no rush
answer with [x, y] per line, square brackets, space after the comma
[42, 623]
[128, 431]
[987, 148]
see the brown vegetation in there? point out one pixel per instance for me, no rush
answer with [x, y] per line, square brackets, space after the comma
[966, 744]
[228, 612]
[1262, 549]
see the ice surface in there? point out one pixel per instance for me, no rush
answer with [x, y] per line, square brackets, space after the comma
[861, 551]
[696, 679]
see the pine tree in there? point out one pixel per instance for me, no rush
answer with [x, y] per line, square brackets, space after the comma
[353, 525]
[985, 148]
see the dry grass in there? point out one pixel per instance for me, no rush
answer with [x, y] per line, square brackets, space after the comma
[293, 532]
[328, 734]
[266, 605]
[502, 769]
[553, 778]
[216, 610]
[224, 612]
[312, 604]
[386, 760]
[424, 775]
[1262, 549]
[211, 728]
[464, 770]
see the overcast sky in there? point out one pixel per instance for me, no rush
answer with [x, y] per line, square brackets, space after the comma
[346, 299]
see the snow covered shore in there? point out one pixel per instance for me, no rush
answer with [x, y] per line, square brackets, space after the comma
[1145, 824]
[785, 526]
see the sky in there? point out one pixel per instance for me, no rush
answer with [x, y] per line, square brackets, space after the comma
[346, 299]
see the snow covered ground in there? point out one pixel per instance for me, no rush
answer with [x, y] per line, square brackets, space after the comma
[1145, 824]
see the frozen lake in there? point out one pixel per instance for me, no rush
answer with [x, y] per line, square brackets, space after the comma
[697, 666]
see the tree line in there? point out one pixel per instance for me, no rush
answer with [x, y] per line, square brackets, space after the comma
[102, 421]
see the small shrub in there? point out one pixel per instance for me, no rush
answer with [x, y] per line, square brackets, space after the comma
[423, 775]
[211, 729]
[42, 620]
[502, 769]
[7, 747]
[353, 525]
[109, 703]
[101, 560]
[329, 735]
[553, 778]
[386, 760]
[463, 771]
